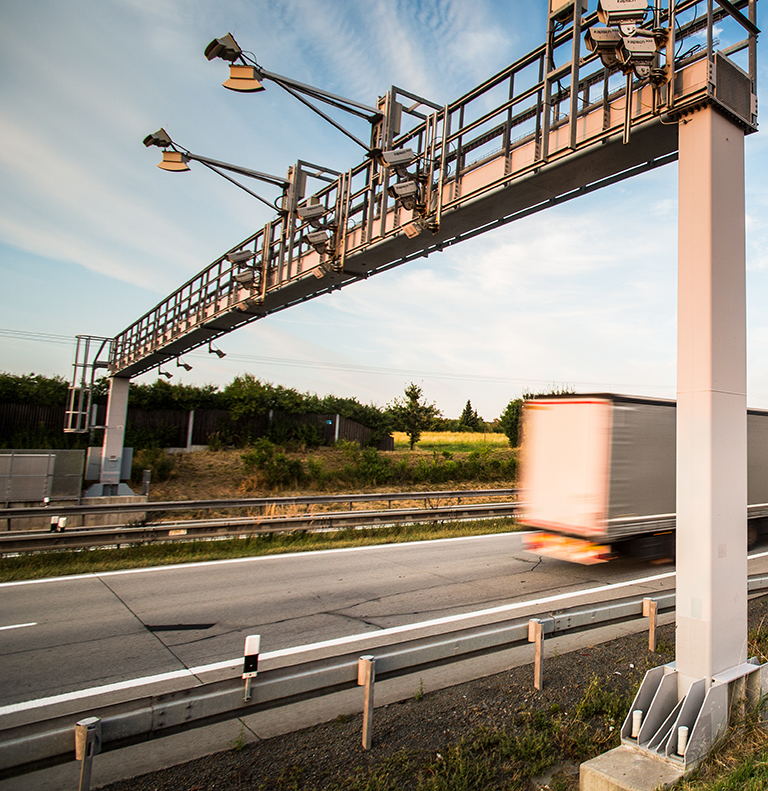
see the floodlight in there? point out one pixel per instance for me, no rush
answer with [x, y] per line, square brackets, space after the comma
[225, 48]
[413, 229]
[244, 79]
[606, 42]
[166, 374]
[161, 139]
[627, 14]
[218, 352]
[240, 257]
[174, 161]
[638, 53]
[181, 364]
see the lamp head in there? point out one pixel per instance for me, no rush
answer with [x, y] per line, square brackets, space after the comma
[161, 139]
[244, 79]
[225, 48]
[181, 364]
[174, 161]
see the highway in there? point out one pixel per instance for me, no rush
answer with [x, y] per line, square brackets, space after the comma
[71, 634]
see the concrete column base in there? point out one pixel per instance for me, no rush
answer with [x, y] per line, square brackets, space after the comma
[627, 769]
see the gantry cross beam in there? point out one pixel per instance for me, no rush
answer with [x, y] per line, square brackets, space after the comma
[473, 169]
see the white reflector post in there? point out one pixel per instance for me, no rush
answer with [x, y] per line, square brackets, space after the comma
[251, 658]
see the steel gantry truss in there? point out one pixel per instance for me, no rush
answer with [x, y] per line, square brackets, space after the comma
[549, 127]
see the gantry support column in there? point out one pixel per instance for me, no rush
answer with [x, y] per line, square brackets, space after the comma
[711, 400]
[114, 434]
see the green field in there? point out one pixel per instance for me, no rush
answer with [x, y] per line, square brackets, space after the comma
[453, 441]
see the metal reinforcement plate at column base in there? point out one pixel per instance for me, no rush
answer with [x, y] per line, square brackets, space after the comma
[626, 768]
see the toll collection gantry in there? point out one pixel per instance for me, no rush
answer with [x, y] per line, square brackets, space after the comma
[612, 92]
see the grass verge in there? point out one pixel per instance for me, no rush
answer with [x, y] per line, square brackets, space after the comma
[56, 564]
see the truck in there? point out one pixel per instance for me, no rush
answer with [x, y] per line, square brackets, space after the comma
[598, 473]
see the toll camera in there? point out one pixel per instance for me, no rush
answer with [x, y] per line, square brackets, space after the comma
[627, 14]
[606, 42]
[638, 53]
[407, 192]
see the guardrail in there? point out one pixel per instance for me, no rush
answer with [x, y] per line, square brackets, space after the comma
[79, 538]
[249, 502]
[28, 746]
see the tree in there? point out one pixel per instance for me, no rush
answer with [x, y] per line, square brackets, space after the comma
[509, 422]
[411, 414]
[470, 420]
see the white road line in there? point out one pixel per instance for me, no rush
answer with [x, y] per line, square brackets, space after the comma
[350, 640]
[256, 559]
[18, 626]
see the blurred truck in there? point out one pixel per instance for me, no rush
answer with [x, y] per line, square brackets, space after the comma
[597, 476]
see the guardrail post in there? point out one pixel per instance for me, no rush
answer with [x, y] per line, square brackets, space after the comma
[87, 744]
[536, 635]
[146, 479]
[650, 609]
[250, 662]
[366, 675]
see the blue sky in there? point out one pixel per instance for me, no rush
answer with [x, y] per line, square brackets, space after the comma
[92, 234]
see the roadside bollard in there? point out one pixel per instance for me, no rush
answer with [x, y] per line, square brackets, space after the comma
[366, 676]
[250, 662]
[650, 608]
[146, 478]
[87, 744]
[536, 635]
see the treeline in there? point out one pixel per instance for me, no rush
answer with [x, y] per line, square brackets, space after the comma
[248, 398]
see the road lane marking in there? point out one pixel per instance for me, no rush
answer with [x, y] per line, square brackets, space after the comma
[229, 561]
[18, 626]
[191, 673]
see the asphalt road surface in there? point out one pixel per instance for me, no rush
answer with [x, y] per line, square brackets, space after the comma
[68, 634]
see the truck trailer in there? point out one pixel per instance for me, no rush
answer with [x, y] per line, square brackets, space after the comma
[598, 472]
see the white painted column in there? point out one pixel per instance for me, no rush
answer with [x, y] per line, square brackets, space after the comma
[711, 400]
[114, 434]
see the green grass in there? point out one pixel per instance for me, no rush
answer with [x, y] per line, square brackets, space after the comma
[507, 757]
[55, 564]
[453, 441]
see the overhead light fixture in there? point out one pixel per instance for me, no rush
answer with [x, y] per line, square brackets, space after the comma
[225, 48]
[174, 161]
[166, 374]
[413, 229]
[161, 139]
[181, 364]
[218, 352]
[244, 79]
[247, 75]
